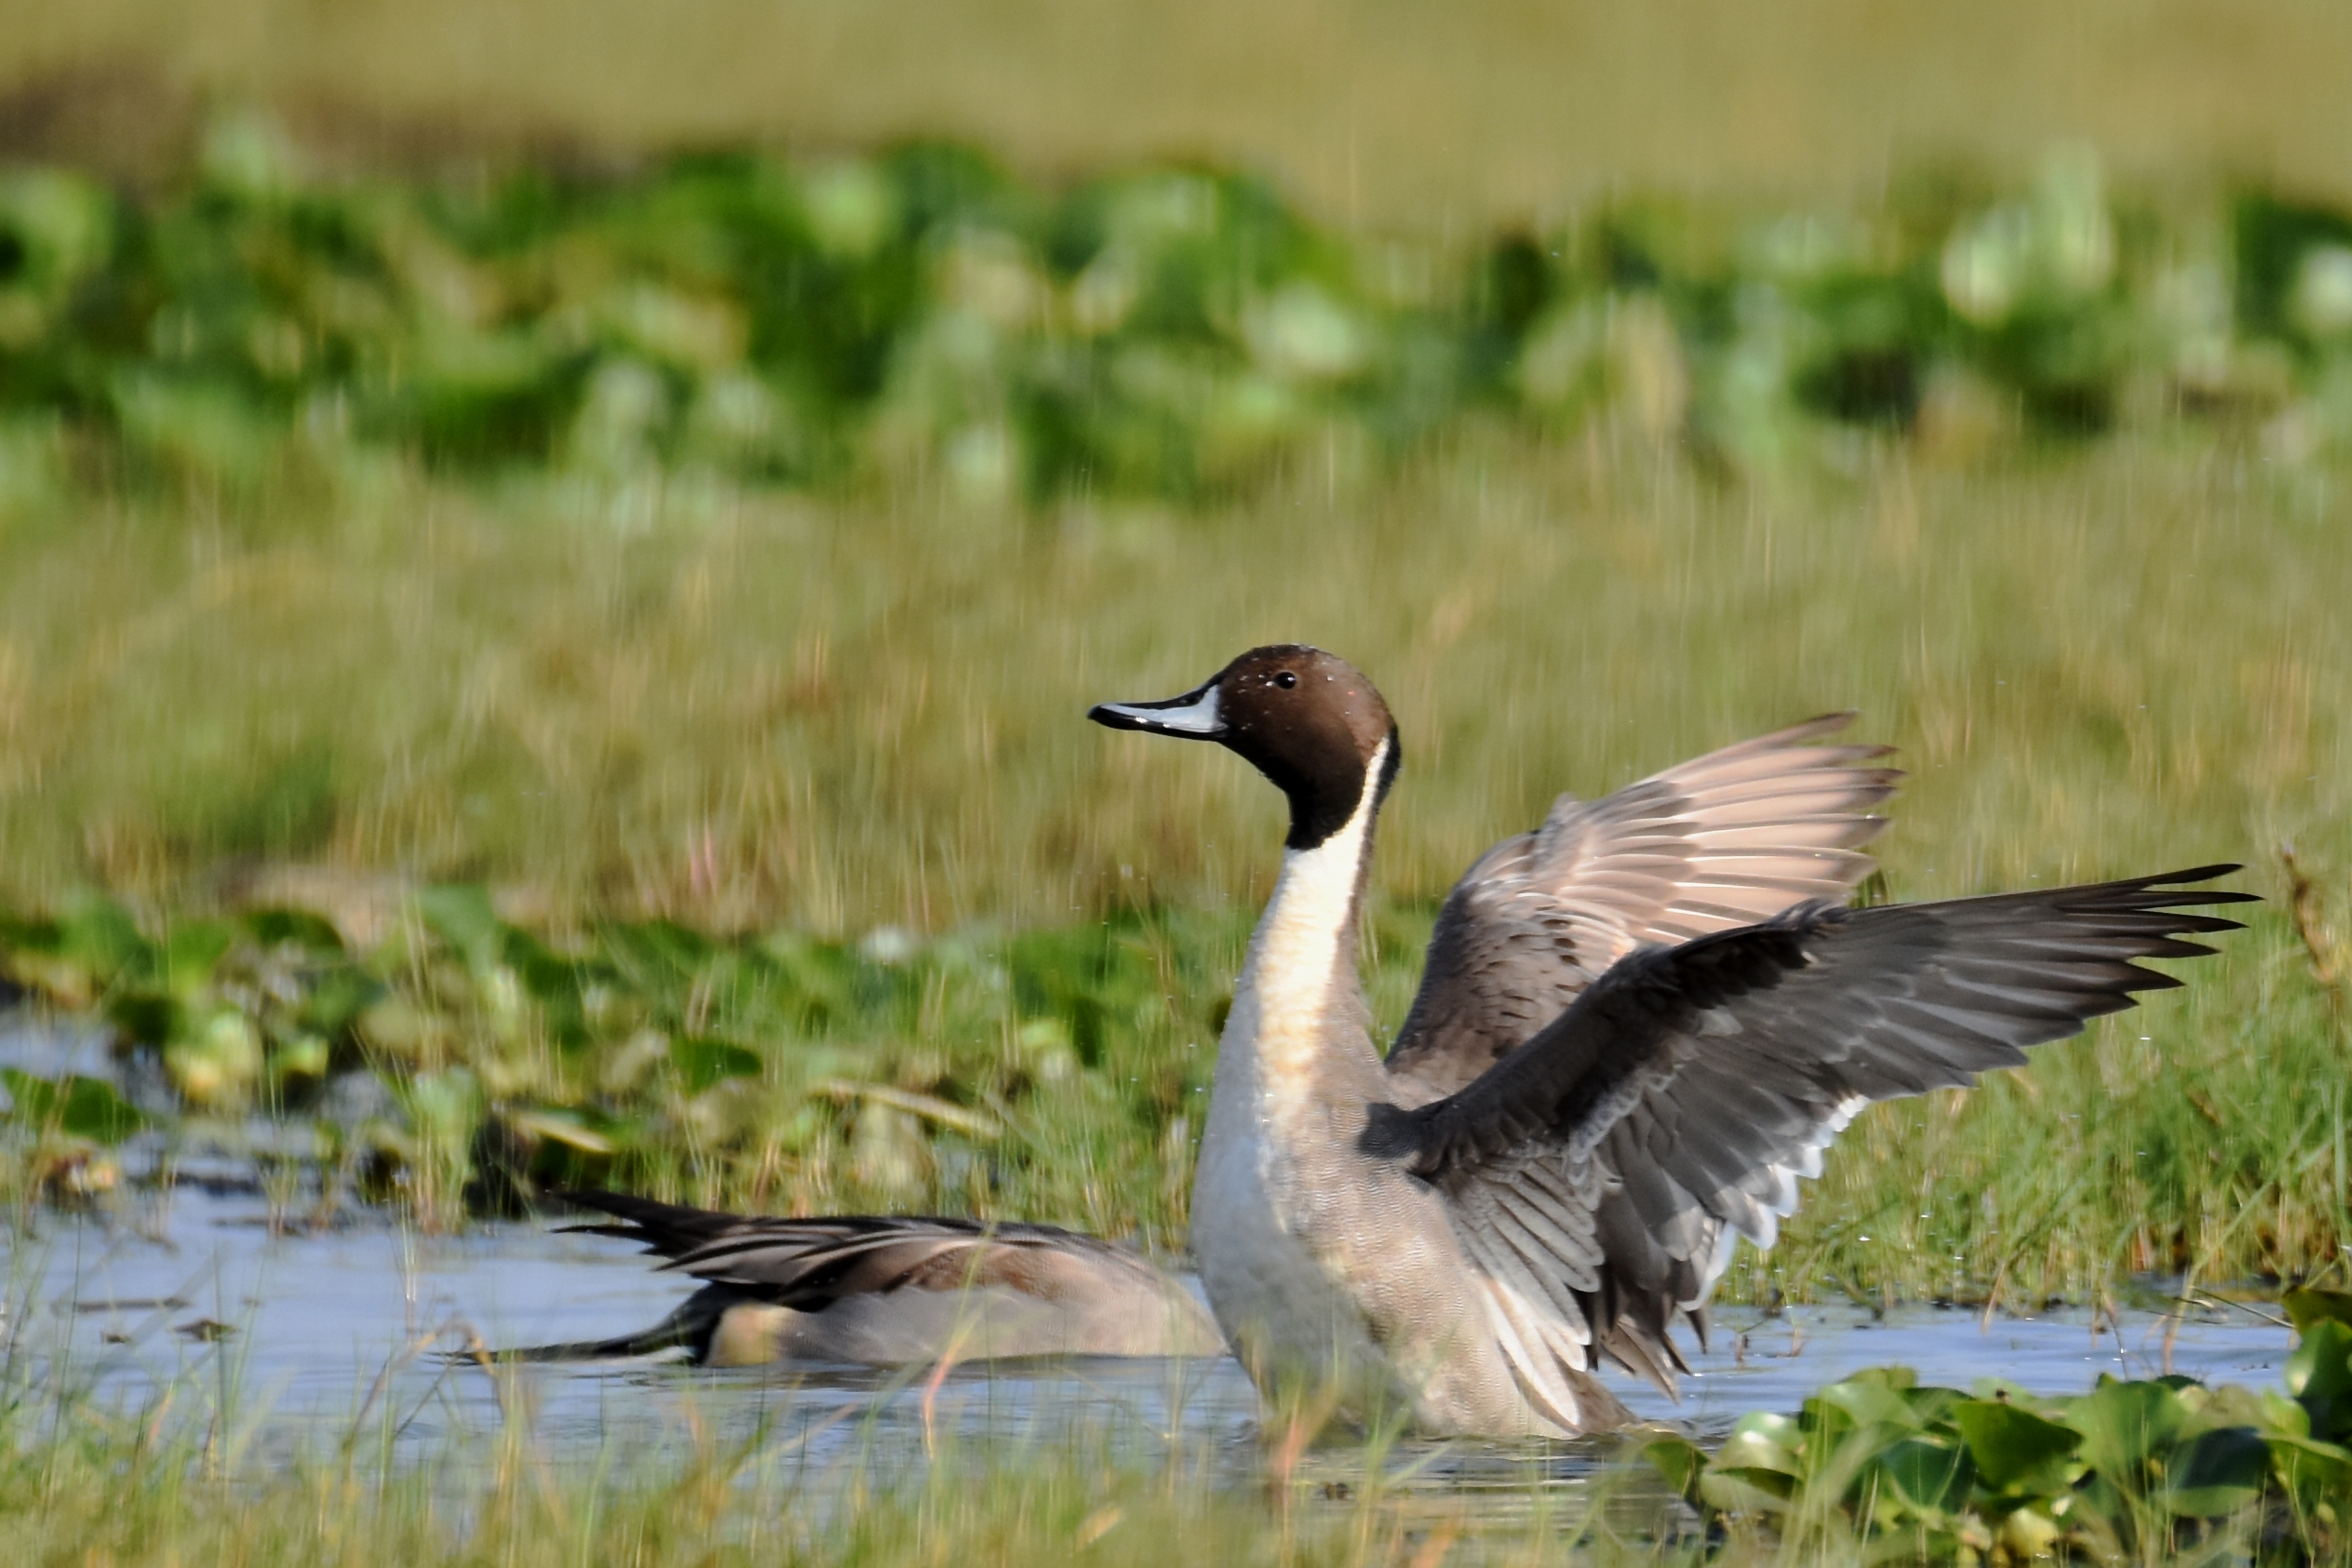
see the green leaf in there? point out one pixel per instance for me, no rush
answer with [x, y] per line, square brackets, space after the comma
[147, 1017]
[701, 1061]
[337, 998]
[460, 913]
[2126, 1425]
[2319, 1377]
[1761, 1441]
[21, 934]
[99, 934]
[81, 1107]
[299, 927]
[658, 953]
[1680, 1461]
[565, 1126]
[1737, 1488]
[445, 1106]
[191, 951]
[2016, 1451]
[2309, 1465]
[2306, 1307]
[1843, 1461]
[1870, 1398]
[2215, 1472]
[1930, 1477]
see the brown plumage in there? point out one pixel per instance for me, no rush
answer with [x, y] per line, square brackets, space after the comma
[1612, 1159]
[1733, 837]
[1639, 1025]
[891, 1290]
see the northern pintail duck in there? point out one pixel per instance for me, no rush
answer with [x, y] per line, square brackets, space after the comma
[1639, 1025]
[888, 1291]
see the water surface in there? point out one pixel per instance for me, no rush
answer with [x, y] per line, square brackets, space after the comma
[324, 1338]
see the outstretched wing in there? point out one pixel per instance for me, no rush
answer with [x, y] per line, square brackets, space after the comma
[810, 1264]
[1728, 839]
[1600, 1173]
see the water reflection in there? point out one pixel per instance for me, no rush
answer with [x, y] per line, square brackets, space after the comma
[341, 1339]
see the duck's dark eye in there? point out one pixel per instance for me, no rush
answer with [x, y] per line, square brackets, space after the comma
[1286, 680]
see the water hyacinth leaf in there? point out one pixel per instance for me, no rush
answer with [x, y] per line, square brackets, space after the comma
[1932, 1405]
[206, 425]
[1845, 1461]
[564, 1126]
[400, 1030]
[147, 1017]
[444, 1106]
[100, 935]
[1867, 1399]
[1742, 1488]
[2229, 1404]
[701, 1062]
[24, 934]
[214, 1059]
[80, 1107]
[2027, 1533]
[554, 984]
[2310, 1467]
[301, 1055]
[930, 1107]
[337, 998]
[193, 951]
[461, 915]
[294, 928]
[2306, 1305]
[1681, 1461]
[2319, 1377]
[657, 955]
[1930, 1477]
[2016, 1451]
[1763, 1441]
[56, 228]
[2215, 1472]
[2125, 1426]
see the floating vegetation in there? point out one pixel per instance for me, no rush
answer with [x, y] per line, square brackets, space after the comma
[464, 1064]
[1165, 332]
[461, 1063]
[2132, 1471]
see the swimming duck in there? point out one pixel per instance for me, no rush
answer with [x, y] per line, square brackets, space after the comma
[887, 1291]
[1638, 1026]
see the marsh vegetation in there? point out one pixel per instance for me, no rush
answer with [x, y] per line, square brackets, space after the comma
[491, 697]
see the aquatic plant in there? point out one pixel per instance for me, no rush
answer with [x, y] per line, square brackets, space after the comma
[465, 1063]
[836, 739]
[190, 1465]
[2134, 1470]
[1161, 331]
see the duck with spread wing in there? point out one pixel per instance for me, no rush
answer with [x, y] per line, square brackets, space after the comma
[1639, 1025]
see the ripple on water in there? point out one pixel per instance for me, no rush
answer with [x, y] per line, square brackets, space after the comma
[321, 1328]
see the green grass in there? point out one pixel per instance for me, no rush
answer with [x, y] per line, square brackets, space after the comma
[742, 712]
[1873, 1468]
[137, 1488]
[739, 708]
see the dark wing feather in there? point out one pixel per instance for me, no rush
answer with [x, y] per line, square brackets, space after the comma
[1727, 839]
[810, 1264]
[1691, 1087]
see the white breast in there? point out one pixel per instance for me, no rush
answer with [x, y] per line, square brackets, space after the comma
[1261, 1230]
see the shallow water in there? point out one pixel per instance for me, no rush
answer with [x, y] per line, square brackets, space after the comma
[339, 1337]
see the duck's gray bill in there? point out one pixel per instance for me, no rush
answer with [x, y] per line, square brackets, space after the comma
[1190, 716]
